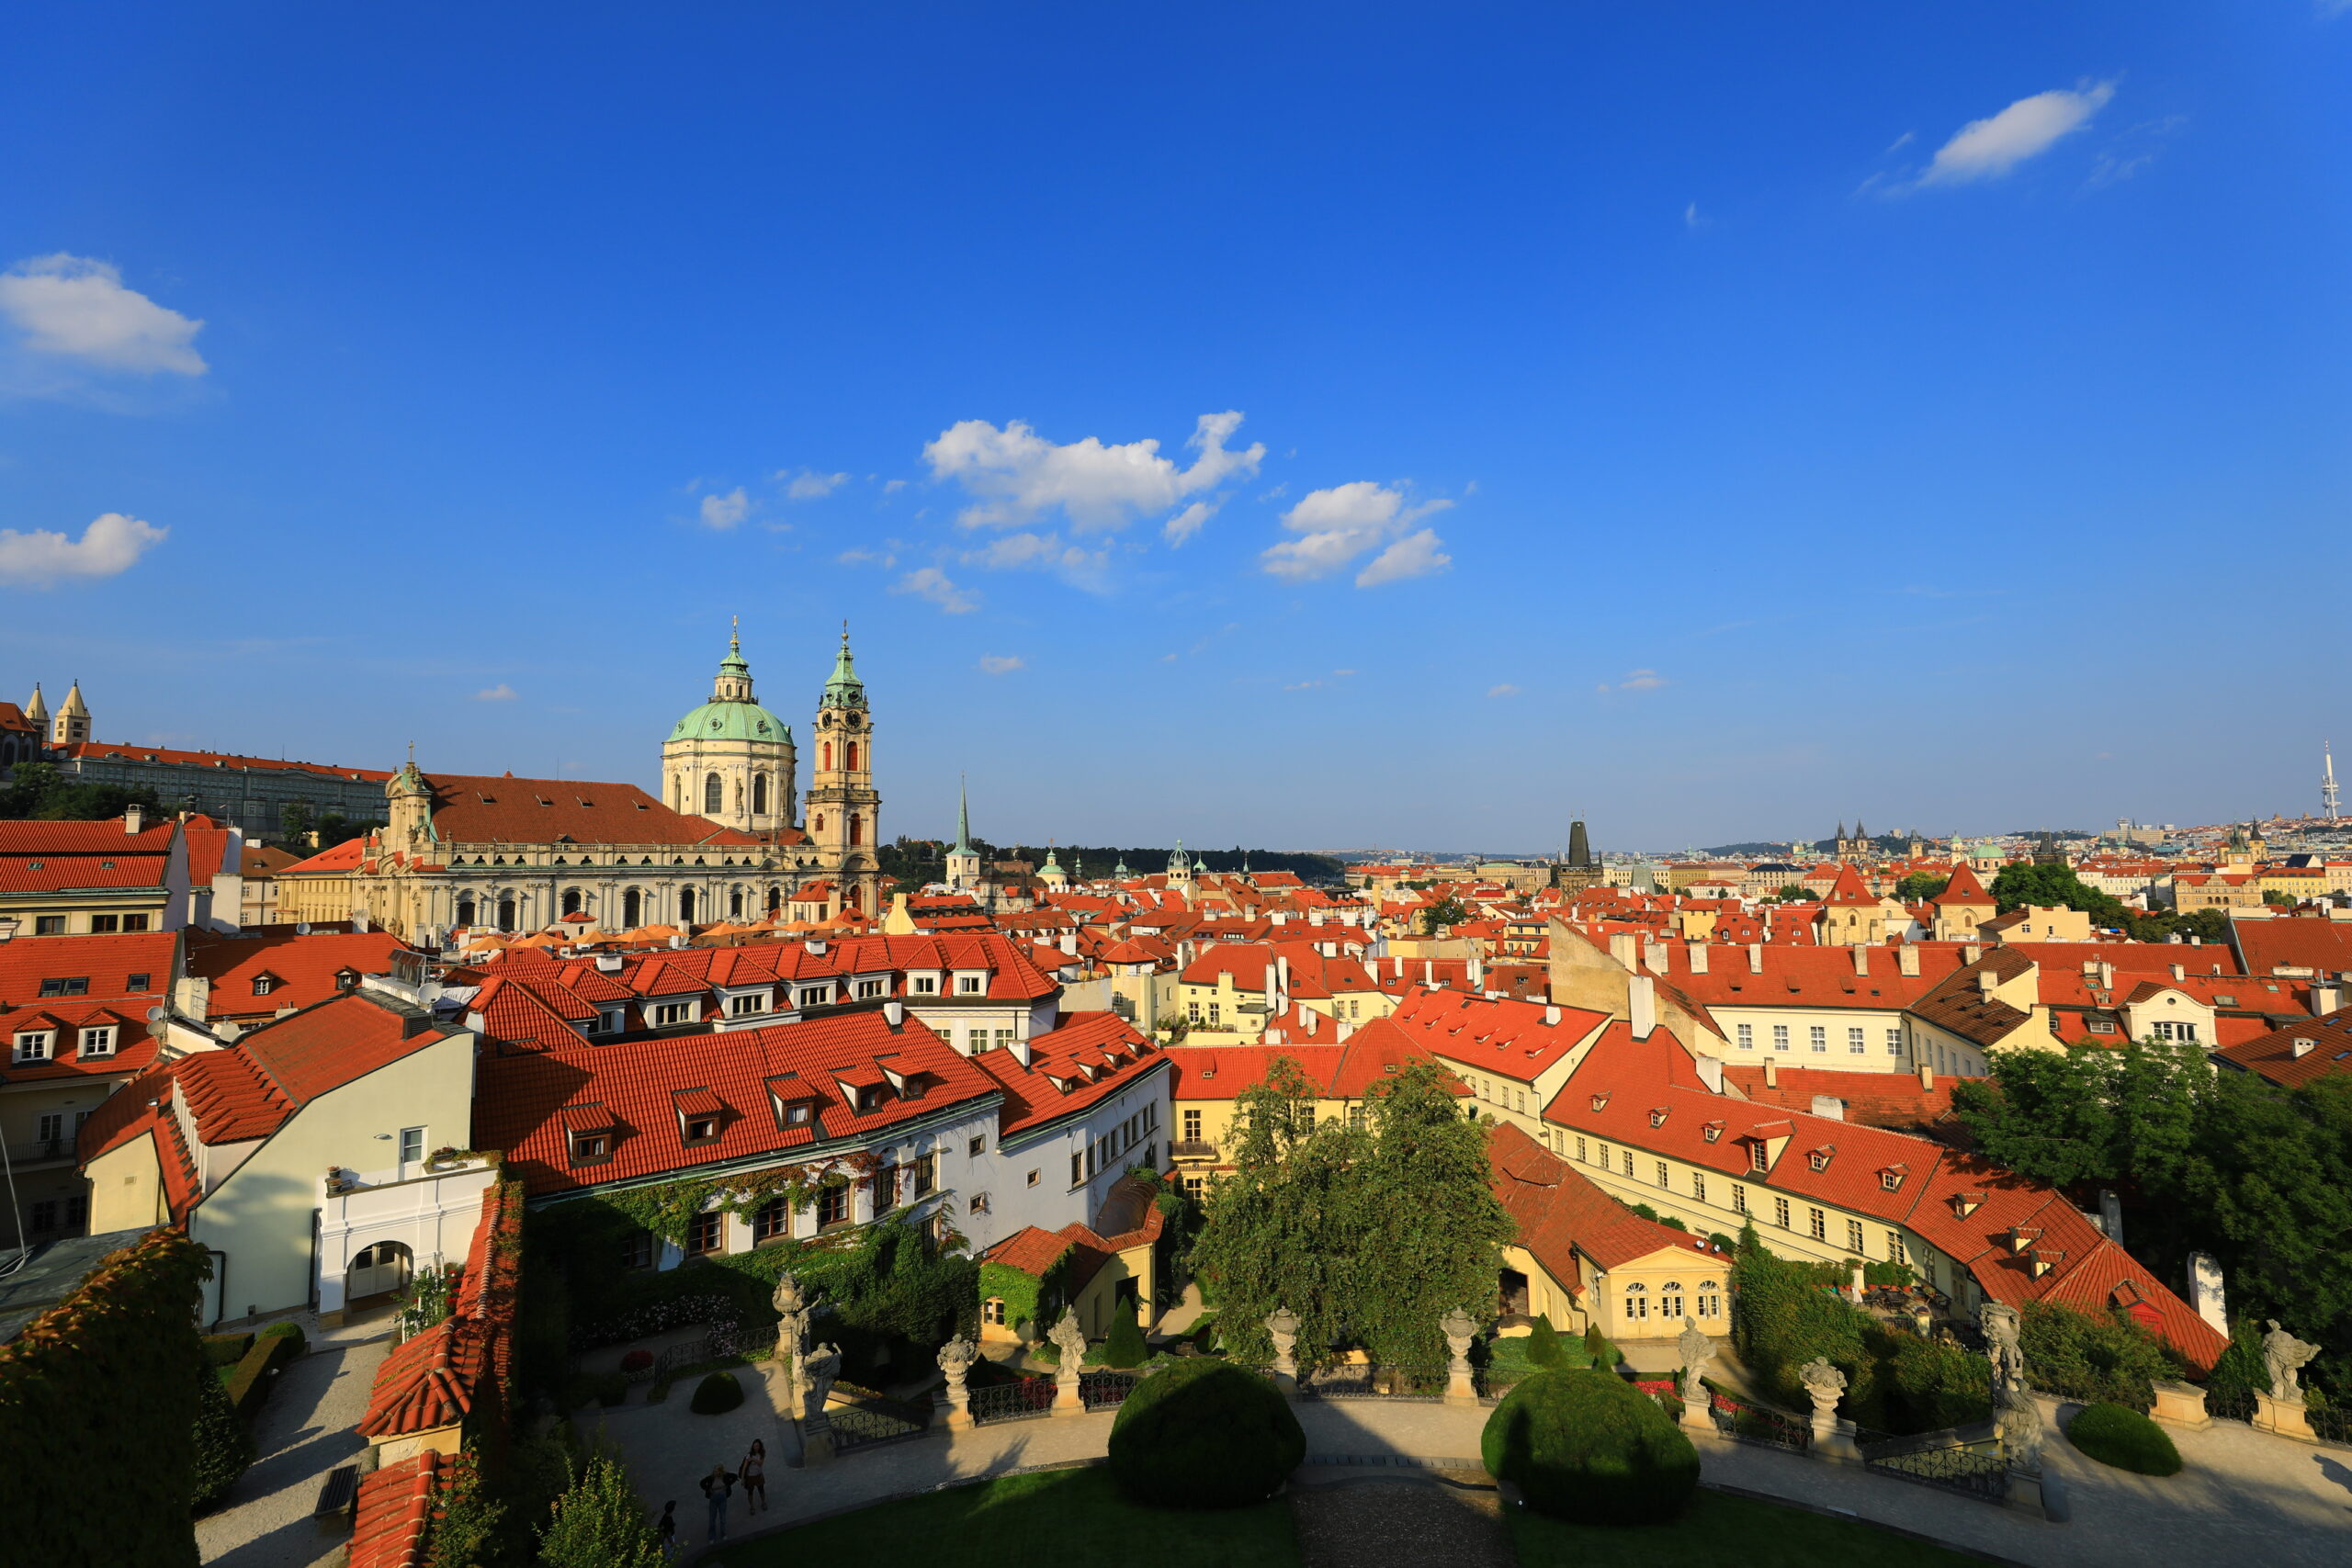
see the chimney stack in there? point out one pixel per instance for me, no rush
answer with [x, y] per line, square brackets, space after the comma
[1622, 947]
[1698, 951]
[1641, 1005]
[1907, 960]
[1985, 981]
[1653, 957]
[2325, 998]
[1771, 1072]
[1861, 959]
[1756, 958]
[134, 818]
[1927, 1076]
[894, 1012]
[1710, 1072]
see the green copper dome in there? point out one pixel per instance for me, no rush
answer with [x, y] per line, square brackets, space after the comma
[731, 721]
[844, 690]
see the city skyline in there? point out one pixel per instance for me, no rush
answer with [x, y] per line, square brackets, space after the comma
[1739, 421]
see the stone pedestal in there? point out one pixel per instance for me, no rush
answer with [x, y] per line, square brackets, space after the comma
[1694, 1413]
[1460, 1331]
[816, 1440]
[2279, 1419]
[2025, 1494]
[2181, 1405]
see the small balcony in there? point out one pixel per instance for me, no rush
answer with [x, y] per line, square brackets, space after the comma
[1192, 1148]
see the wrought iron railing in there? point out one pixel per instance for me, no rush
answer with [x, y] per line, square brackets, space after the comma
[715, 1346]
[2331, 1422]
[1368, 1380]
[1192, 1148]
[1971, 1467]
[2230, 1403]
[863, 1426]
[1016, 1400]
[1748, 1422]
[1105, 1389]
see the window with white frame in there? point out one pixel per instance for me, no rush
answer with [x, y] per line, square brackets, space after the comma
[1699, 1186]
[1738, 1199]
[1894, 1040]
[969, 985]
[1669, 1299]
[1818, 1038]
[1856, 1042]
[98, 1041]
[1780, 1212]
[1662, 1176]
[668, 1013]
[1854, 1235]
[1711, 1303]
[1895, 1251]
[34, 1044]
[743, 1007]
[1820, 1224]
[1747, 1037]
[1638, 1302]
[816, 996]
[1779, 1037]
[922, 985]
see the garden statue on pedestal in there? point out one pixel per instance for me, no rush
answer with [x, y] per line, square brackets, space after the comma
[1070, 1339]
[956, 1359]
[1459, 1330]
[1998, 1321]
[821, 1367]
[2283, 1357]
[1282, 1327]
[1697, 1350]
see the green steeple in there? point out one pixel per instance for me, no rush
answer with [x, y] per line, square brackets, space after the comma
[733, 663]
[844, 690]
[963, 821]
[1120, 870]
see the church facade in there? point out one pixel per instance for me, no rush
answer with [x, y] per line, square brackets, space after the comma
[515, 854]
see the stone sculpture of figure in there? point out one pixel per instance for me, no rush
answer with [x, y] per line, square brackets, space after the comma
[2018, 1420]
[956, 1359]
[1282, 1327]
[2283, 1355]
[1999, 1322]
[1070, 1340]
[1696, 1350]
[821, 1367]
[1459, 1331]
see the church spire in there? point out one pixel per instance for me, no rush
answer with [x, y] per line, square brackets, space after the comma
[963, 820]
[844, 690]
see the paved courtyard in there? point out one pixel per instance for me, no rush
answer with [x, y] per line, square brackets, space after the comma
[306, 1430]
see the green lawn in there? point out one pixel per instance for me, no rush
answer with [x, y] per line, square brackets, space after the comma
[1717, 1531]
[1073, 1516]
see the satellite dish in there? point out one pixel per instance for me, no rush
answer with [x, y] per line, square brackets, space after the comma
[155, 1015]
[303, 928]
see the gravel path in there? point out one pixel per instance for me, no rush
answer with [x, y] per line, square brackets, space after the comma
[305, 1430]
[1419, 1521]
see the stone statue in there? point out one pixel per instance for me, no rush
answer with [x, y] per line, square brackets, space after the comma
[2018, 1420]
[2283, 1357]
[1459, 1331]
[956, 1359]
[1825, 1382]
[1999, 1322]
[821, 1367]
[1070, 1340]
[1697, 1350]
[1281, 1325]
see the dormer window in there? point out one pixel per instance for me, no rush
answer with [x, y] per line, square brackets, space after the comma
[1711, 1130]
[1759, 1158]
[265, 983]
[1819, 1158]
[815, 995]
[98, 1041]
[1891, 1179]
[969, 985]
[1657, 1117]
[702, 1129]
[591, 1148]
[799, 1114]
[924, 985]
[1601, 1102]
[873, 1097]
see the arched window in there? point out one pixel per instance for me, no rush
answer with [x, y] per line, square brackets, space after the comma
[685, 906]
[851, 749]
[571, 901]
[775, 899]
[825, 756]
[759, 794]
[819, 829]
[632, 909]
[506, 914]
[465, 911]
[735, 905]
[856, 829]
[677, 792]
[714, 793]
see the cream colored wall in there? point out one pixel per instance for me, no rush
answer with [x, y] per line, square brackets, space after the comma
[1547, 1296]
[1801, 1021]
[1691, 1272]
[261, 1215]
[127, 1187]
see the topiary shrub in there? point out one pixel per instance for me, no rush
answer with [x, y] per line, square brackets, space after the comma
[715, 1394]
[224, 1448]
[2119, 1436]
[1125, 1347]
[1544, 1347]
[1203, 1433]
[1598, 1350]
[226, 1350]
[1590, 1447]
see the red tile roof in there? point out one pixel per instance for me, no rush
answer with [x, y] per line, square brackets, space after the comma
[1560, 1212]
[108, 964]
[478, 809]
[2302, 1051]
[323, 1047]
[2295, 943]
[519, 1096]
[396, 1505]
[1087, 1057]
[303, 967]
[1507, 1036]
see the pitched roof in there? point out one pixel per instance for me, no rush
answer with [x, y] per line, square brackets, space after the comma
[2302, 1051]
[479, 809]
[1560, 1212]
[1085, 1058]
[2294, 942]
[1963, 889]
[303, 967]
[396, 1505]
[1503, 1035]
[325, 1046]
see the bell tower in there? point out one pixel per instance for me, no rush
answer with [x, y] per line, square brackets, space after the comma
[408, 808]
[843, 812]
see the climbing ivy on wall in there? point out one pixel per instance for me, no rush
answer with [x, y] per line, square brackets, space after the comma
[668, 1208]
[107, 1377]
[1035, 1300]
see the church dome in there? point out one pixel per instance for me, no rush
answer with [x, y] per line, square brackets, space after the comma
[732, 721]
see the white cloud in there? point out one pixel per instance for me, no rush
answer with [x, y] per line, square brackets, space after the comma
[1639, 680]
[1691, 218]
[1001, 663]
[502, 693]
[1029, 550]
[1017, 475]
[1187, 523]
[1986, 148]
[1415, 555]
[78, 308]
[894, 487]
[111, 545]
[1505, 690]
[726, 511]
[1338, 525]
[808, 485]
[867, 557]
[930, 583]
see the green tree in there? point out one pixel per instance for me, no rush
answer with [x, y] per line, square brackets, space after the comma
[475, 1528]
[1920, 886]
[1370, 1234]
[2052, 887]
[1793, 893]
[1444, 912]
[39, 790]
[599, 1523]
[295, 821]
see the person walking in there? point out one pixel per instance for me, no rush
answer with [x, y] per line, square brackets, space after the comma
[665, 1530]
[755, 1480]
[716, 1487]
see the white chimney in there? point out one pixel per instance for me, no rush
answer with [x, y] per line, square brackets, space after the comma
[1829, 1106]
[1641, 1005]
[1756, 958]
[894, 1012]
[1771, 1072]
[1622, 947]
[1985, 981]
[1429, 973]
[1907, 960]
[1861, 959]
[2181, 972]
[2106, 976]
[816, 946]
[2303, 1046]
[1552, 1014]
[1698, 957]
[1653, 957]
[134, 818]
[2325, 998]
[1710, 1073]
[1477, 971]
[1020, 1049]
[1970, 954]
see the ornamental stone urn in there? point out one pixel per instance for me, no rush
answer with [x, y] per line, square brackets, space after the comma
[1824, 1384]
[1282, 1327]
[956, 1359]
[1460, 1330]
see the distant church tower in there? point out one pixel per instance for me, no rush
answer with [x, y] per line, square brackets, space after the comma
[845, 814]
[964, 858]
[730, 759]
[1180, 870]
[72, 724]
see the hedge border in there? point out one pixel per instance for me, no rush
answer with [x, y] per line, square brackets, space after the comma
[272, 1348]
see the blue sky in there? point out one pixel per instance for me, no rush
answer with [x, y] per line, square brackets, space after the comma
[1313, 426]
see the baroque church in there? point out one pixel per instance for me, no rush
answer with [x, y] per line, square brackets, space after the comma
[721, 843]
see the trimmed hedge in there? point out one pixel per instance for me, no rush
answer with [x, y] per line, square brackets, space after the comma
[272, 1348]
[224, 1446]
[1589, 1446]
[1544, 1346]
[1126, 1346]
[226, 1350]
[1204, 1433]
[2118, 1436]
[715, 1394]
